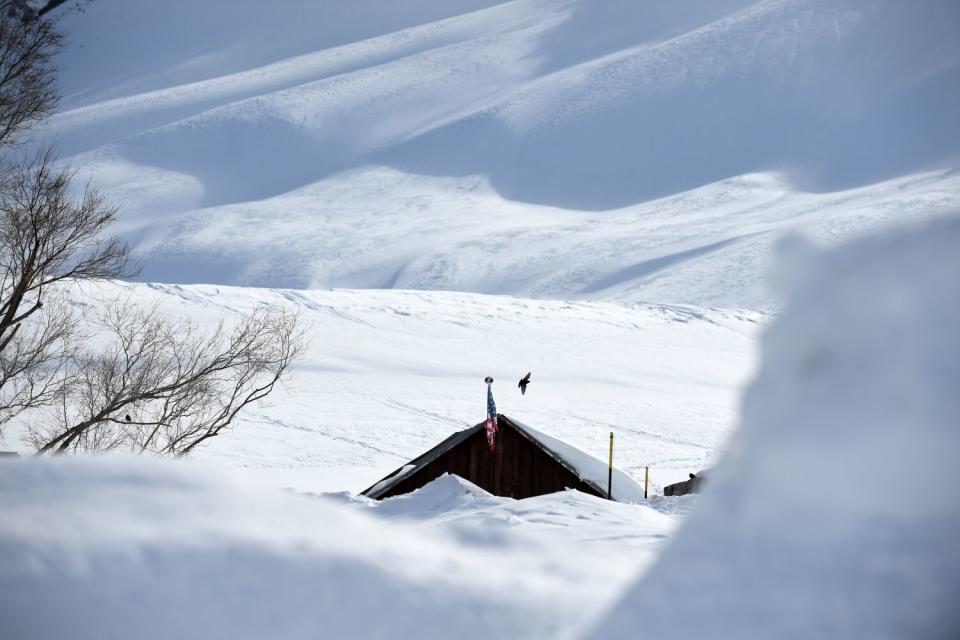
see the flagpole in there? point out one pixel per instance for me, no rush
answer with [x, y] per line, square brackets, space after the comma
[610, 471]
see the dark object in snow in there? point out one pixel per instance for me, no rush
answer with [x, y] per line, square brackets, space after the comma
[524, 381]
[521, 466]
[488, 380]
[683, 488]
[127, 417]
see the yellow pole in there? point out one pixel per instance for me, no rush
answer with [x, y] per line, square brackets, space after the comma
[646, 481]
[610, 471]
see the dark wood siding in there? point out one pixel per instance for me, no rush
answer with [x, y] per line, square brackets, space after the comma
[517, 469]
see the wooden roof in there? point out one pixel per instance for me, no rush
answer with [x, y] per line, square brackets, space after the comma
[384, 486]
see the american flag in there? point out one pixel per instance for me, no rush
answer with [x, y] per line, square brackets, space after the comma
[491, 422]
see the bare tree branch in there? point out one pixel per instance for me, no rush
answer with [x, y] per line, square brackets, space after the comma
[165, 387]
[35, 364]
[28, 45]
[46, 238]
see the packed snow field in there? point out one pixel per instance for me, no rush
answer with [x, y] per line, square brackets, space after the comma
[637, 151]
[389, 374]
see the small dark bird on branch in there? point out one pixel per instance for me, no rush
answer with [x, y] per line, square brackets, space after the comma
[127, 417]
[524, 381]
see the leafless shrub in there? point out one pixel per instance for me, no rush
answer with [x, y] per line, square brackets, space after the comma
[165, 386]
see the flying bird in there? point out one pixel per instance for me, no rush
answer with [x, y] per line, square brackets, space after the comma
[524, 381]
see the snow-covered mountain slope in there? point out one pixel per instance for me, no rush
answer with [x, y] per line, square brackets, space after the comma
[389, 374]
[547, 148]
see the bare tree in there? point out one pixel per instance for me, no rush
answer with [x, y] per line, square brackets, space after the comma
[165, 386]
[127, 377]
[35, 364]
[28, 92]
[182, 385]
[46, 238]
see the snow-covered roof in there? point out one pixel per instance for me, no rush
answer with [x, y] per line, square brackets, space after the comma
[590, 470]
[419, 462]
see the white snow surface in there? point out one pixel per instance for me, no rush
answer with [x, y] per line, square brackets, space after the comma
[832, 514]
[835, 512]
[390, 374]
[617, 150]
[625, 169]
[136, 548]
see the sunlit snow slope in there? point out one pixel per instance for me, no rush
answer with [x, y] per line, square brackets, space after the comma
[389, 374]
[547, 148]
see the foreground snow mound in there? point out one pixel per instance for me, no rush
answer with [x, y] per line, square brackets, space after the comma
[138, 548]
[600, 539]
[836, 513]
[441, 496]
[452, 500]
[590, 546]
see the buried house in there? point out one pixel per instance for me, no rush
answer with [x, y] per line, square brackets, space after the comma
[524, 463]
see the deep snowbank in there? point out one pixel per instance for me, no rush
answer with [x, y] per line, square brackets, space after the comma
[446, 494]
[836, 511]
[141, 549]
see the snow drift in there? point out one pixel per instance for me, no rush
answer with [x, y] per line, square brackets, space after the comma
[116, 548]
[94, 550]
[836, 511]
